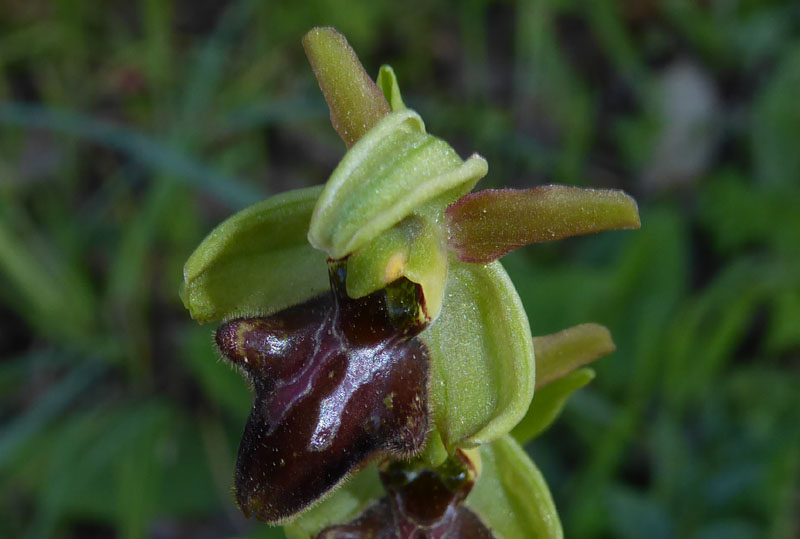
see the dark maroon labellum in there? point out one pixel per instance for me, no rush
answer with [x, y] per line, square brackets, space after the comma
[420, 503]
[337, 383]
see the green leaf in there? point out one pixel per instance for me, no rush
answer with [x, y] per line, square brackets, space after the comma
[387, 82]
[560, 353]
[511, 496]
[413, 249]
[482, 365]
[548, 402]
[256, 262]
[50, 294]
[44, 409]
[79, 477]
[345, 504]
[149, 152]
[355, 101]
[393, 170]
[635, 514]
[776, 123]
[486, 225]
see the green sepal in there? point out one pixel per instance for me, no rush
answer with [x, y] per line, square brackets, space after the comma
[387, 82]
[482, 363]
[390, 172]
[488, 224]
[356, 103]
[560, 353]
[511, 496]
[415, 249]
[343, 505]
[548, 402]
[256, 262]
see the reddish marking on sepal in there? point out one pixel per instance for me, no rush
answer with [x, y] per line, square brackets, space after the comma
[488, 224]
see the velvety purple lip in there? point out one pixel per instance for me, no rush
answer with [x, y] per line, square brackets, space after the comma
[337, 382]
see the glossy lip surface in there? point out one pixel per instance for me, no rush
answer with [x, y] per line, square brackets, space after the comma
[337, 383]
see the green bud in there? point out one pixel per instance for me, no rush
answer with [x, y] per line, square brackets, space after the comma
[387, 82]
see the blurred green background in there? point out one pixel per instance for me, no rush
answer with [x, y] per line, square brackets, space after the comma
[128, 129]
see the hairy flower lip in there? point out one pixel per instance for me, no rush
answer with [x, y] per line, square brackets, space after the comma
[338, 382]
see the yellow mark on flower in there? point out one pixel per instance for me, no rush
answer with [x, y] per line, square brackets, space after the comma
[388, 401]
[395, 266]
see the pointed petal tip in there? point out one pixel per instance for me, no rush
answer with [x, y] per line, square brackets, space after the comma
[355, 101]
[486, 225]
[560, 353]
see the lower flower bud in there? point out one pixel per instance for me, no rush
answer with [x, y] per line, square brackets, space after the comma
[420, 503]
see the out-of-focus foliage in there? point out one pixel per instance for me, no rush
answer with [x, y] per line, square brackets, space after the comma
[128, 129]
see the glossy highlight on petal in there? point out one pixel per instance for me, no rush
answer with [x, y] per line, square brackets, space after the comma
[337, 383]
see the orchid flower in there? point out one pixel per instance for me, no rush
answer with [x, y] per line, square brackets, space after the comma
[384, 341]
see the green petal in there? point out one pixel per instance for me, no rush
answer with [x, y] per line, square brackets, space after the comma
[547, 404]
[345, 504]
[256, 262]
[414, 249]
[486, 225]
[511, 496]
[560, 353]
[482, 372]
[387, 82]
[390, 172]
[355, 102]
